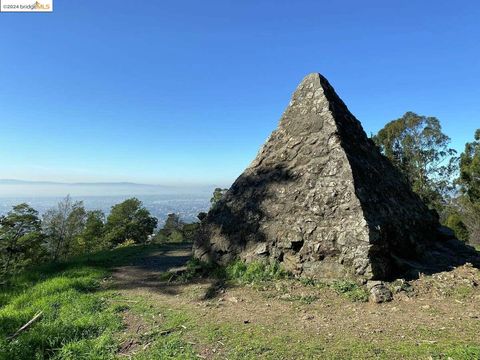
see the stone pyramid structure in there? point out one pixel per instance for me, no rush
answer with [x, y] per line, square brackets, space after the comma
[320, 198]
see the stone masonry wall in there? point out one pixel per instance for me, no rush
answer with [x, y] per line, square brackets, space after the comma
[319, 197]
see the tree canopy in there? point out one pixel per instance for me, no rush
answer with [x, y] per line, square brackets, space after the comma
[62, 225]
[92, 236]
[468, 204]
[217, 195]
[469, 179]
[417, 146]
[129, 220]
[21, 238]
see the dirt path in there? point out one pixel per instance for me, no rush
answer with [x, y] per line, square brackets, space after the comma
[144, 273]
[288, 320]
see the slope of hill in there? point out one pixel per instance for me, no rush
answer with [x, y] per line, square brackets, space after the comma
[143, 303]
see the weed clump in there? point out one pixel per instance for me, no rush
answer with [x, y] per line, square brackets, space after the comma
[351, 290]
[255, 272]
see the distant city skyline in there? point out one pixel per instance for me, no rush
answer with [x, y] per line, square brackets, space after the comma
[185, 93]
[187, 206]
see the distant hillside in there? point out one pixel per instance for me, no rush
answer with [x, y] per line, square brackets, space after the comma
[15, 187]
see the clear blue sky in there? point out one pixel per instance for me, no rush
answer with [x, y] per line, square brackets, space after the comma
[187, 91]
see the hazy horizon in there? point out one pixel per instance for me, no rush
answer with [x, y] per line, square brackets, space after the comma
[27, 188]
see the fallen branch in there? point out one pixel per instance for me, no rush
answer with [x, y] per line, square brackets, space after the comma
[27, 325]
[125, 348]
[162, 332]
[168, 331]
[120, 300]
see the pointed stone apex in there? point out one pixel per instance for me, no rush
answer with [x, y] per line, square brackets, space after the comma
[320, 198]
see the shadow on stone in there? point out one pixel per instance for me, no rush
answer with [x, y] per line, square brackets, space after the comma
[232, 226]
[406, 236]
[321, 198]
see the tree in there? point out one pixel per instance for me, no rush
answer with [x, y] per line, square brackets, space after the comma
[469, 182]
[62, 225]
[417, 146]
[21, 239]
[91, 239]
[172, 231]
[129, 220]
[455, 221]
[217, 195]
[469, 179]
[173, 222]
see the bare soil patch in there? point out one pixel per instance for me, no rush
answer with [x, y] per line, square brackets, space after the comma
[440, 309]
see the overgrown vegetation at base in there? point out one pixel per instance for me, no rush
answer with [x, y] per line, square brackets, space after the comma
[347, 288]
[258, 272]
[254, 272]
[238, 271]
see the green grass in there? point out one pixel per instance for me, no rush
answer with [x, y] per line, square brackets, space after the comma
[169, 347]
[260, 342]
[165, 340]
[83, 320]
[77, 323]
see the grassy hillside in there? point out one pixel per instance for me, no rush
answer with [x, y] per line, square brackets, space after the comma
[78, 320]
[124, 303]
